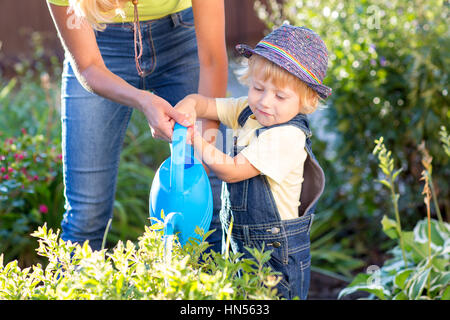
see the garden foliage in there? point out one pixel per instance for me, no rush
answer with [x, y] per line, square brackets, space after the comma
[31, 186]
[30, 191]
[136, 272]
[419, 265]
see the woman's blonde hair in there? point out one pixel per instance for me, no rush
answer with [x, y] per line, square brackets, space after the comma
[309, 99]
[98, 12]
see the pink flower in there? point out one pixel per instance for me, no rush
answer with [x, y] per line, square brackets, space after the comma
[2, 169]
[6, 177]
[43, 208]
[24, 131]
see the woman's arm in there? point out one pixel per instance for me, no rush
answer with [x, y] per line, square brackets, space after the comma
[80, 43]
[209, 18]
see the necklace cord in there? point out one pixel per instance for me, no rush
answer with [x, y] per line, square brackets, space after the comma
[137, 34]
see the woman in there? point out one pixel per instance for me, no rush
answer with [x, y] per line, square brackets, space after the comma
[148, 58]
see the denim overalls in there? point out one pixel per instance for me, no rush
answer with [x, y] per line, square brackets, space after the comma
[256, 219]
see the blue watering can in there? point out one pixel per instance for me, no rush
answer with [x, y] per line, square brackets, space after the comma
[181, 188]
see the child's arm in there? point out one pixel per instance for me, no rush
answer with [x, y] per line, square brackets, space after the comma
[199, 106]
[226, 168]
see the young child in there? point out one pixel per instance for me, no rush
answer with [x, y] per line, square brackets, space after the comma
[272, 180]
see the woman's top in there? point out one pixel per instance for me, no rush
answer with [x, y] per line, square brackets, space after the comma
[278, 153]
[147, 9]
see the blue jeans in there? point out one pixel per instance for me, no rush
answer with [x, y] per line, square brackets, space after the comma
[93, 128]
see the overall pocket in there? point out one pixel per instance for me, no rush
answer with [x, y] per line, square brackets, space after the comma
[238, 195]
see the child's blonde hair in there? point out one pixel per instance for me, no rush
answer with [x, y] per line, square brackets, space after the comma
[309, 99]
[98, 12]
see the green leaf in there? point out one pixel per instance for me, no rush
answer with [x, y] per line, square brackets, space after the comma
[400, 296]
[396, 173]
[418, 250]
[385, 182]
[400, 278]
[7, 89]
[417, 283]
[446, 294]
[119, 283]
[438, 232]
[362, 283]
[442, 279]
[389, 227]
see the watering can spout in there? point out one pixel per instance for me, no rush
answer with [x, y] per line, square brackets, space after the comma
[172, 222]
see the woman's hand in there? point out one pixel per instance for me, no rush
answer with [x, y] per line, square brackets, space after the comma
[161, 116]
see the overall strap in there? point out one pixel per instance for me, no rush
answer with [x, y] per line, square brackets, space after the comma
[300, 120]
[243, 116]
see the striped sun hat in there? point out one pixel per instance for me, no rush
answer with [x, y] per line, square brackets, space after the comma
[298, 50]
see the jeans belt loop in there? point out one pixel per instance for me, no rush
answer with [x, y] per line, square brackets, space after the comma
[175, 19]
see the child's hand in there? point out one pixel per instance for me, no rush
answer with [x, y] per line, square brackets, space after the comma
[187, 106]
[192, 133]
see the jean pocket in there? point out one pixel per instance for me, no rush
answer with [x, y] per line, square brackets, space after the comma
[186, 18]
[238, 195]
[295, 277]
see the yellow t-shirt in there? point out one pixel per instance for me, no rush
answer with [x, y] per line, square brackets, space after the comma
[148, 9]
[278, 153]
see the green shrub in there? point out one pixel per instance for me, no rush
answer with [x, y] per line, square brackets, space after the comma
[30, 192]
[418, 268]
[136, 272]
[423, 277]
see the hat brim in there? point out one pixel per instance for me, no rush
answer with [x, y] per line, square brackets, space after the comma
[322, 90]
[245, 50]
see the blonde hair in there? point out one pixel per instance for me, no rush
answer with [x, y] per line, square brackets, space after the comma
[309, 99]
[98, 12]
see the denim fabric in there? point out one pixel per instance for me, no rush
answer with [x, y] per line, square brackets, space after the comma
[93, 127]
[257, 222]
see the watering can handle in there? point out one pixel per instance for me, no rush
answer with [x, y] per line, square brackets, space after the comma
[178, 151]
